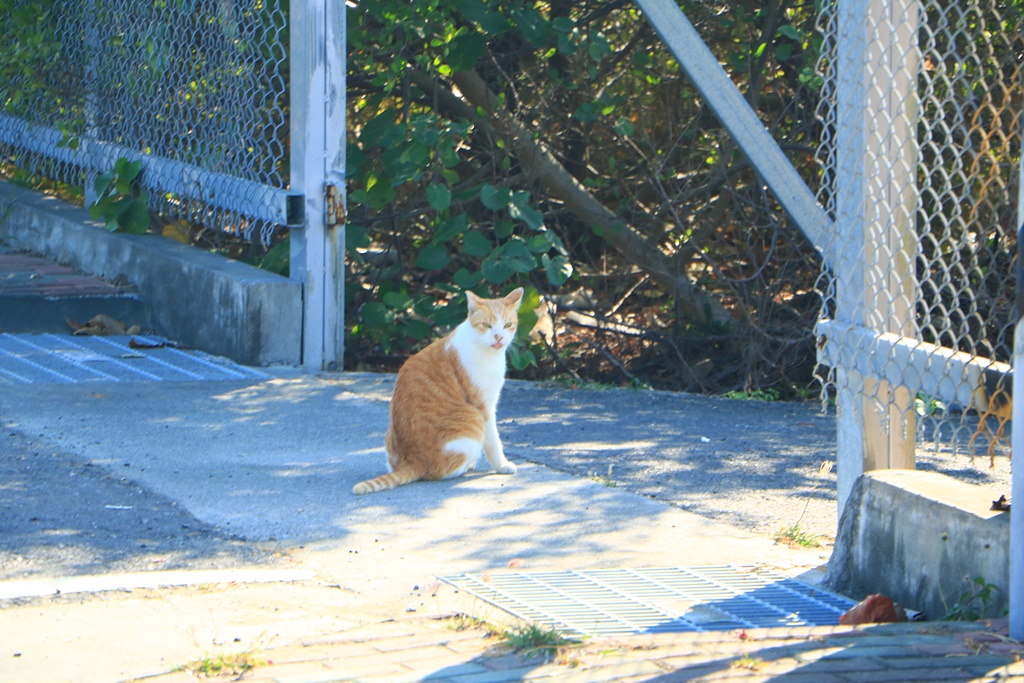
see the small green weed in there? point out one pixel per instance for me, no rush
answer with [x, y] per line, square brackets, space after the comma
[754, 395]
[604, 480]
[748, 662]
[974, 603]
[465, 622]
[236, 664]
[530, 639]
[120, 198]
[794, 535]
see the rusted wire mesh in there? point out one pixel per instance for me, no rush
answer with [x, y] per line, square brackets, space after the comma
[921, 155]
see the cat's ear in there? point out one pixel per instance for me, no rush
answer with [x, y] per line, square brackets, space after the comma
[514, 297]
[473, 302]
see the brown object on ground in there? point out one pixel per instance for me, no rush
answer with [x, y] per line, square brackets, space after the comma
[1001, 505]
[102, 326]
[874, 609]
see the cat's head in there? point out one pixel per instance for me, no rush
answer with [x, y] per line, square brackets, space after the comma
[494, 320]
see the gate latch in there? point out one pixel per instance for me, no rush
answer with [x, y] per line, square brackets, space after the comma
[335, 206]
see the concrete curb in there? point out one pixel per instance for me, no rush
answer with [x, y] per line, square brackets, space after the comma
[201, 299]
[922, 538]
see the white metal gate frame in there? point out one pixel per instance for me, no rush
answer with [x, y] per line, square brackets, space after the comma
[874, 190]
[309, 202]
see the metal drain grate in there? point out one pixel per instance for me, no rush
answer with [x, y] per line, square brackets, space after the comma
[64, 359]
[627, 601]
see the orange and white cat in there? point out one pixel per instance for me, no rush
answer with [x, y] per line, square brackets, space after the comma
[445, 400]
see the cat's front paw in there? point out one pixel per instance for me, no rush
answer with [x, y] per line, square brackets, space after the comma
[505, 468]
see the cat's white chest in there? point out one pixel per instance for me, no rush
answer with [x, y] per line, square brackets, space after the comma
[484, 366]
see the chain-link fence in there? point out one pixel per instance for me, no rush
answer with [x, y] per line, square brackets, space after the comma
[194, 89]
[921, 159]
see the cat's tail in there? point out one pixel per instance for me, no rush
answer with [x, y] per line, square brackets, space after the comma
[386, 481]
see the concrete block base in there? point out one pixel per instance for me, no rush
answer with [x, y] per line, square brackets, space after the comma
[201, 299]
[921, 538]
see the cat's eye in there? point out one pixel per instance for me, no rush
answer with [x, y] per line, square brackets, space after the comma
[508, 326]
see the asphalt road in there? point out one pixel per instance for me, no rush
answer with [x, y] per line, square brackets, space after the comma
[125, 477]
[61, 515]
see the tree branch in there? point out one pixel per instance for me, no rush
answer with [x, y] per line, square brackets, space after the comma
[694, 303]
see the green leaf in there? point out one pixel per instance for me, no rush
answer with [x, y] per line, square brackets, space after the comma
[451, 228]
[624, 127]
[465, 50]
[518, 254]
[380, 195]
[557, 268]
[433, 257]
[507, 260]
[563, 24]
[425, 307]
[356, 237]
[103, 182]
[451, 314]
[503, 228]
[539, 244]
[790, 32]
[376, 127]
[467, 280]
[532, 25]
[520, 359]
[135, 218]
[585, 113]
[439, 197]
[414, 329]
[497, 271]
[127, 170]
[476, 244]
[397, 300]
[495, 198]
[478, 12]
[527, 214]
[527, 312]
[375, 314]
[598, 46]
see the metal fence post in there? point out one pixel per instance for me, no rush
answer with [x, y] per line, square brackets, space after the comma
[1017, 448]
[875, 195]
[317, 68]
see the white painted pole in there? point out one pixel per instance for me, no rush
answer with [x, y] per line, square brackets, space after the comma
[317, 75]
[875, 189]
[1017, 484]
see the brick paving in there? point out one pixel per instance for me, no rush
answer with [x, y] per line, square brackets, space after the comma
[435, 650]
[23, 274]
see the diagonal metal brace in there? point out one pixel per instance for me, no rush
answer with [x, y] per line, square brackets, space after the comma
[729, 105]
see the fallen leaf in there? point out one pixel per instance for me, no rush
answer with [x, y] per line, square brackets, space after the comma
[874, 609]
[178, 231]
[102, 325]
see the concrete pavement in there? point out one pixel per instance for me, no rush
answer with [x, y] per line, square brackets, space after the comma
[270, 464]
[171, 523]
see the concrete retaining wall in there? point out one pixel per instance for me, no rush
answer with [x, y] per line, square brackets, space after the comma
[201, 299]
[921, 538]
